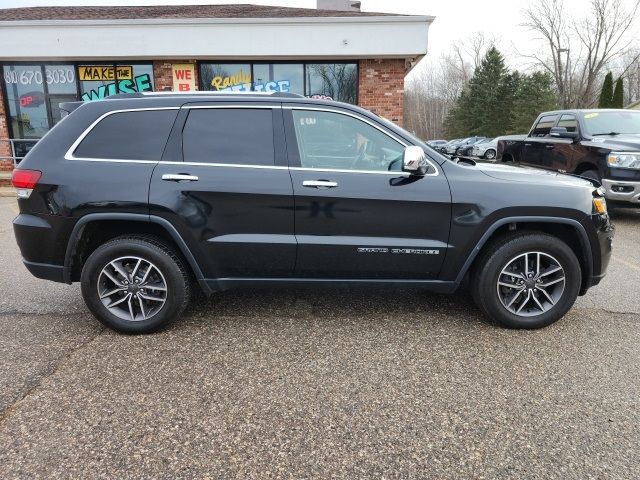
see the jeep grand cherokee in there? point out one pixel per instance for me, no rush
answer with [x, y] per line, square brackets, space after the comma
[144, 197]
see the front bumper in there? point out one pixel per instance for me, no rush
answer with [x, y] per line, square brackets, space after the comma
[622, 191]
[46, 271]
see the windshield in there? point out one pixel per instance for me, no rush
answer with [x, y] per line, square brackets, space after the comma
[612, 122]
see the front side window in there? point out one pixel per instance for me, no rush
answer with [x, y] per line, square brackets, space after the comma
[241, 136]
[543, 127]
[569, 122]
[138, 135]
[336, 141]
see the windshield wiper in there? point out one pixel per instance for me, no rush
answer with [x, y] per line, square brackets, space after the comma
[606, 133]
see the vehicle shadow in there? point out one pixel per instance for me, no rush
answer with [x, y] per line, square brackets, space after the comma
[329, 303]
[624, 213]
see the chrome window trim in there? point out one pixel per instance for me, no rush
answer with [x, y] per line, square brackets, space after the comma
[369, 122]
[232, 165]
[70, 156]
[192, 107]
[338, 170]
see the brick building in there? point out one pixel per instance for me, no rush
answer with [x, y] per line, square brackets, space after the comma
[51, 55]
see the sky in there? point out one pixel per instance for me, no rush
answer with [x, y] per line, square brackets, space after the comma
[456, 20]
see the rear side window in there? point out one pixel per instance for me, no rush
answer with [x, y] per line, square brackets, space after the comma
[140, 135]
[543, 127]
[240, 136]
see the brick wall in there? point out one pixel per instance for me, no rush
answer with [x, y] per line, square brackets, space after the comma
[381, 88]
[5, 149]
[162, 74]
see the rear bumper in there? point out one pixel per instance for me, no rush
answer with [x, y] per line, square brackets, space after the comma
[622, 191]
[46, 271]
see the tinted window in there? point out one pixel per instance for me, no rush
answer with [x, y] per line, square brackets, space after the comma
[227, 135]
[129, 136]
[544, 125]
[336, 141]
[569, 122]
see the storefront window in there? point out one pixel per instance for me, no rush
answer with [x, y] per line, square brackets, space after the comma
[33, 93]
[278, 77]
[333, 81]
[100, 81]
[337, 81]
[225, 76]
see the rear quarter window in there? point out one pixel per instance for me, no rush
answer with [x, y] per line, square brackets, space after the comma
[139, 135]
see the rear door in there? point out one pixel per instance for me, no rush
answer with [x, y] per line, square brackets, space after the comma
[537, 147]
[357, 214]
[225, 186]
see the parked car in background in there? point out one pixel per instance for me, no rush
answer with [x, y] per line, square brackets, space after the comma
[600, 144]
[485, 149]
[450, 148]
[464, 150]
[436, 144]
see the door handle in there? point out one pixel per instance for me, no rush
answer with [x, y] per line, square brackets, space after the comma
[527, 144]
[179, 177]
[319, 184]
[549, 146]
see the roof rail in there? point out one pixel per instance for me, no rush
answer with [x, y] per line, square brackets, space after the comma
[209, 93]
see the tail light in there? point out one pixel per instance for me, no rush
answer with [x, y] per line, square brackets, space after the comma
[24, 181]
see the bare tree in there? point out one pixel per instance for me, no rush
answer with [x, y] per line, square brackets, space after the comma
[433, 90]
[580, 50]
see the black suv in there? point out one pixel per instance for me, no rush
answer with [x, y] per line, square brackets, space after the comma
[144, 197]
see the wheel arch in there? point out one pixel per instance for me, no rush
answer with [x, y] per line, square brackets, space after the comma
[568, 230]
[584, 167]
[93, 229]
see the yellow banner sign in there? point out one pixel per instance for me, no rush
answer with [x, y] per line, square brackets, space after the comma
[105, 72]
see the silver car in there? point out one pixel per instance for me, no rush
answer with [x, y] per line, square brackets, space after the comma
[486, 149]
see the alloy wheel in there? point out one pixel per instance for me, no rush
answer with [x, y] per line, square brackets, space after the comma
[132, 288]
[531, 284]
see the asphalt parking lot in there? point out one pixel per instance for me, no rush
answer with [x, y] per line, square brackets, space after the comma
[345, 383]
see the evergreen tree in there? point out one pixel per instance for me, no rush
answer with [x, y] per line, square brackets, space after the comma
[535, 94]
[606, 95]
[483, 108]
[618, 95]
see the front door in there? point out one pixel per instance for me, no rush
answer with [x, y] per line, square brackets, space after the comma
[231, 198]
[357, 214]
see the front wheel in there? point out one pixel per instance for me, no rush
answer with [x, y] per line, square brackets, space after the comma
[135, 284]
[490, 154]
[527, 281]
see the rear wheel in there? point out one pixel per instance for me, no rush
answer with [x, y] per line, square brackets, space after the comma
[135, 284]
[527, 281]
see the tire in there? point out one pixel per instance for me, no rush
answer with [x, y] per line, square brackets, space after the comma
[129, 306]
[493, 298]
[490, 154]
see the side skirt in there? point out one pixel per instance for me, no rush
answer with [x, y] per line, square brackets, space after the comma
[222, 284]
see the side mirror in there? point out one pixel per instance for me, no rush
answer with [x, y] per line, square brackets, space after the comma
[414, 160]
[561, 132]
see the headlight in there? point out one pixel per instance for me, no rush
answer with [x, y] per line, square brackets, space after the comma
[624, 159]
